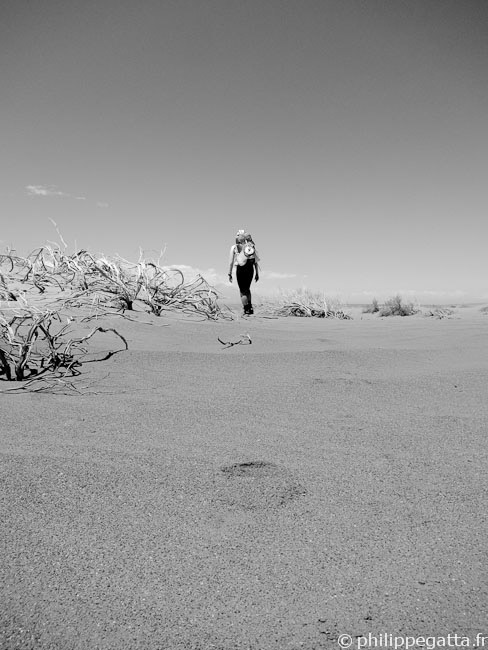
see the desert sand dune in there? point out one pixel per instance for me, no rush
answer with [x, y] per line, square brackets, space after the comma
[328, 478]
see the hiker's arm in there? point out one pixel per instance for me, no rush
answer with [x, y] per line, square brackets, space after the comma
[231, 262]
[256, 267]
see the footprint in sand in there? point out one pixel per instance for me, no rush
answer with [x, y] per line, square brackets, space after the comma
[257, 485]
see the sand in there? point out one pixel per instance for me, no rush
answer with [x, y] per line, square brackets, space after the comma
[330, 478]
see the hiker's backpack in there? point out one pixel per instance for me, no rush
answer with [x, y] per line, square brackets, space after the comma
[248, 249]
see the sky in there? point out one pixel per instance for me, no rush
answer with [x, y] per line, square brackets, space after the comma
[350, 137]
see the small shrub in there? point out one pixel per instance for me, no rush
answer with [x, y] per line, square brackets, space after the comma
[396, 307]
[373, 308]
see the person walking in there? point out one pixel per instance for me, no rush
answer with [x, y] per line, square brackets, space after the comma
[245, 259]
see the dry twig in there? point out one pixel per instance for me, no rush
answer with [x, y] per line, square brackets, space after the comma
[244, 340]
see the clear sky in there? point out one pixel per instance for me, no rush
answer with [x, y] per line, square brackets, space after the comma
[350, 137]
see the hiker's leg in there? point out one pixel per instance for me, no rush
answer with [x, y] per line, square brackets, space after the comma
[249, 303]
[244, 276]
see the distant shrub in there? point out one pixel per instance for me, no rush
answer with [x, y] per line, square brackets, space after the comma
[484, 310]
[396, 307]
[373, 308]
[439, 312]
[306, 303]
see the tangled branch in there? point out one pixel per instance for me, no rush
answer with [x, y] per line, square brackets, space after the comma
[31, 347]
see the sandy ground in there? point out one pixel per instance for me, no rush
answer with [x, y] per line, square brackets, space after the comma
[330, 478]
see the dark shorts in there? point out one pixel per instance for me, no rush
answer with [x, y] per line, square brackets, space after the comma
[244, 276]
